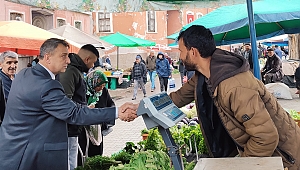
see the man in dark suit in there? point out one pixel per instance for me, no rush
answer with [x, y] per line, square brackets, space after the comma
[34, 130]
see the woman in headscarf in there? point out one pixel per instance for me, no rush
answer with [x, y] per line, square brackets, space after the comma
[97, 97]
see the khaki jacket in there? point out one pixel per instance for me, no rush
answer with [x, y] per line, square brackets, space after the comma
[151, 63]
[252, 117]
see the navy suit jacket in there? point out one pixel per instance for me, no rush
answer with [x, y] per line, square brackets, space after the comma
[33, 134]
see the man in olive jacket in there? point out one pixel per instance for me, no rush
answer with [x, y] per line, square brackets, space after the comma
[151, 68]
[237, 115]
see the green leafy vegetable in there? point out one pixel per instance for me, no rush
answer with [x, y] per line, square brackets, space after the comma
[294, 114]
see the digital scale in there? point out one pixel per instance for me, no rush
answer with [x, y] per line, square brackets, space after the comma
[160, 111]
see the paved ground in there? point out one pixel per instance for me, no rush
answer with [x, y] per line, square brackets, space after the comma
[130, 131]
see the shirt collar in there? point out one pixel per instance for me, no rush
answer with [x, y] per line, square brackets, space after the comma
[5, 75]
[51, 74]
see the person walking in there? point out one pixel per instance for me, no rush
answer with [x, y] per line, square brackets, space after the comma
[151, 68]
[138, 73]
[163, 71]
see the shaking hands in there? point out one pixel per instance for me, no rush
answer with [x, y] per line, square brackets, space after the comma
[127, 112]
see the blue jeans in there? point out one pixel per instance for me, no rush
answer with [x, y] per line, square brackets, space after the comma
[73, 151]
[152, 75]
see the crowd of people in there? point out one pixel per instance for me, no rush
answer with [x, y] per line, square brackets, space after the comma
[42, 125]
[272, 71]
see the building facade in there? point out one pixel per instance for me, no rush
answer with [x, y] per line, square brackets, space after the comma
[44, 18]
[151, 25]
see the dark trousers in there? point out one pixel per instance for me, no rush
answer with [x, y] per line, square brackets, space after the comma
[163, 83]
[267, 77]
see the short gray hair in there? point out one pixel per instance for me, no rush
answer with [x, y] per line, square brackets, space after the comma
[9, 54]
[50, 45]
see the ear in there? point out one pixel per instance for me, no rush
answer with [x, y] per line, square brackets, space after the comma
[47, 58]
[193, 51]
[86, 60]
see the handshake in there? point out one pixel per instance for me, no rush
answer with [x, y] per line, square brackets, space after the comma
[127, 112]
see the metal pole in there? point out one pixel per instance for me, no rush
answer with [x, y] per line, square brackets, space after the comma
[173, 149]
[117, 58]
[252, 31]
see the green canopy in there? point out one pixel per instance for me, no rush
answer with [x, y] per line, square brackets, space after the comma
[122, 40]
[267, 18]
[229, 24]
[173, 36]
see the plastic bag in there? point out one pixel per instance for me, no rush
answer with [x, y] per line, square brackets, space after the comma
[94, 134]
[171, 82]
[279, 90]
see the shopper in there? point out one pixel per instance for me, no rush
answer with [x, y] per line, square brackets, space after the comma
[163, 71]
[139, 72]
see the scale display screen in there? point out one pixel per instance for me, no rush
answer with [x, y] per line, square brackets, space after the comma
[173, 113]
[159, 110]
[161, 101]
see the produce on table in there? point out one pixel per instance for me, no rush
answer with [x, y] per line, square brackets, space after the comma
[294, 114]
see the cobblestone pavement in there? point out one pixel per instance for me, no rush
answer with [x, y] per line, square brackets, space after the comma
[130, 131]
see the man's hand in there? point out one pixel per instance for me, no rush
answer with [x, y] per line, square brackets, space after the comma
[127, 112]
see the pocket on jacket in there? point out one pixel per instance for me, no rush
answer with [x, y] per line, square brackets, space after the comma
[55, 146]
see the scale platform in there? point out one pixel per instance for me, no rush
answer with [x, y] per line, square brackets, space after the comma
[238, 163]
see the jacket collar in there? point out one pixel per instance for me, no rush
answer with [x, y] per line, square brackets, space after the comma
[224, 65]
[41, 69]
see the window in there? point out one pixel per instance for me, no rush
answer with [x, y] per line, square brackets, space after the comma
[151, 23]
[190, 16]
[199, 15]
[104, 22]
[78, 25]
[60, 22]
[16, 16]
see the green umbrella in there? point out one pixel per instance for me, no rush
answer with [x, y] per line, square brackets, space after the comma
[229, 24]
[173, 36]
[122, 40]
